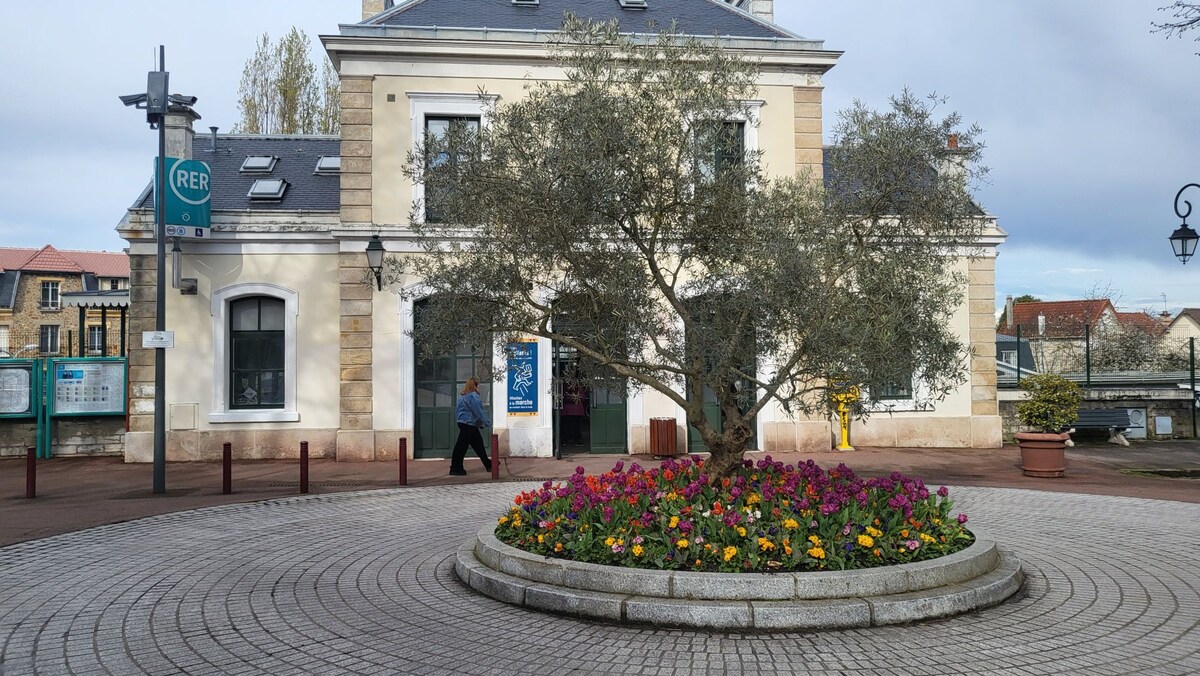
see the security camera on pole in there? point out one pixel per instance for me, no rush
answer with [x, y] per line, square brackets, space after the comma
[157, 103]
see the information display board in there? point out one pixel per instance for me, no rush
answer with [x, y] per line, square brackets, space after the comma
[18, 389]
[87, 387]
[522, 378]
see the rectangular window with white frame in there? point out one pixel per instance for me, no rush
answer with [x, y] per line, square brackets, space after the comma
[439, 127]
[95, 340]
[438, 107]
[5, 350]
[254, 356]
[48, 339]
[51, 299]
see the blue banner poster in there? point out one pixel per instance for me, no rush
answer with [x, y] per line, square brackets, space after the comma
[522, 378]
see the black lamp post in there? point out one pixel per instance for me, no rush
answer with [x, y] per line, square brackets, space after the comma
[1183, 240]
[375, 253]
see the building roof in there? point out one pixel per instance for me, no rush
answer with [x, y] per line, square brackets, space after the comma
[1142, 321]
[692, 17]
[829, 173]
[50, 259]
[1063, 318]
[1191, 313]
[297, 161]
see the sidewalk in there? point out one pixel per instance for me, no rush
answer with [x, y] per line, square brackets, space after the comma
[79, 493]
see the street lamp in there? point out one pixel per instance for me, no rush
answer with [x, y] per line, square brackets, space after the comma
[157, 103]
[375, 253]
[1183, 240]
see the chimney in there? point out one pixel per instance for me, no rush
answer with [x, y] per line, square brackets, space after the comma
[1164, 318]
[372, 7]
[179, 132]
[1041, 325]
[953, 163]
[1008, 311]
[212, 147]
[763, 9]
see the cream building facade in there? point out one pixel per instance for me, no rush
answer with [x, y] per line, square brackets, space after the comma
[347, 378]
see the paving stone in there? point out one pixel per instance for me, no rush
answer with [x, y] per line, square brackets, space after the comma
[340, 583]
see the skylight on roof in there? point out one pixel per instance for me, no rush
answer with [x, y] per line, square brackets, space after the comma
[267, 189]
[328, 164]
[633, 4]
[532, 3]
[259, 164]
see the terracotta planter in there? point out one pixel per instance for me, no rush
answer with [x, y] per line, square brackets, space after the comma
[1043, 454]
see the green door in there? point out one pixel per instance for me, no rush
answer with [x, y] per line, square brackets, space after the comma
[438, 382]
[608, 430]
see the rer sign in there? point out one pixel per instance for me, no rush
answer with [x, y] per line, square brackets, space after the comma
[188, 198]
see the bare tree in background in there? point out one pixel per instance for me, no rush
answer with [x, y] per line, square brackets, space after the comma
[1185, 16]
[282, 92]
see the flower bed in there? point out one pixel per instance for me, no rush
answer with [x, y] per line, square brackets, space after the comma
[767, 517]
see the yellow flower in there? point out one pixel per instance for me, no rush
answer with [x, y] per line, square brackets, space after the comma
[928, 538]
[681, 543]
[753, 499]
[541, 538]
[558, 546]
[866, 541]
[874, 532]
[638, 550]
[817, 553]
[741, 531]
[787, 549]
[503, 520]
[610, 542]
[516, 522]
[791, 524]
[672, 495]
[730, 552]
[815, 540]
[674, 522]
[765, 544]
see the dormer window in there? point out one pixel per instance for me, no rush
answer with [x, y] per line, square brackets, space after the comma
[328, 164]
[633, 4]
[259, 164]
[265, 189]
[526, 3]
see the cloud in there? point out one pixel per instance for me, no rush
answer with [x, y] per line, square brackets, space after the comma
[1073, 271]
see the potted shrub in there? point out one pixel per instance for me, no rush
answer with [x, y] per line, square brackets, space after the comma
[1051, 404]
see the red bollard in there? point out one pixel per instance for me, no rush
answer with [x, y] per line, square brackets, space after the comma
[403, 461]
[303, 466]
[30, 471]
[227, 468]
[495, 456]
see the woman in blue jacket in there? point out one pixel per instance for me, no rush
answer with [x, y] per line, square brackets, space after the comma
[471, 418]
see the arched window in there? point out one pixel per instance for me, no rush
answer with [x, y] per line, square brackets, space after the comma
[254, 354]
[257, 345]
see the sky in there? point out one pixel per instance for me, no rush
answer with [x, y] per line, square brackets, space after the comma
[1091, 122]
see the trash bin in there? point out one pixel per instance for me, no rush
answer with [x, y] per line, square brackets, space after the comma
[662, 437]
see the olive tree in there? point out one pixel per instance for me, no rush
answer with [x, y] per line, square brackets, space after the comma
[615, 212]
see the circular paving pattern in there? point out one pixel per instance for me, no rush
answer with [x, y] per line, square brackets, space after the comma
[363, 583]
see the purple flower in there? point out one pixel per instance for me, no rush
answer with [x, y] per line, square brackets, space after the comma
[607, 513]
[912, 545]
[962, 518]
[943, 491]
[618, 467]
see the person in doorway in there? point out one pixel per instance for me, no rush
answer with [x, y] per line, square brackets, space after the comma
[573, 411]
[471, 418]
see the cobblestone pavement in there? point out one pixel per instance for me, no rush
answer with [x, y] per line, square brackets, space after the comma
[363, 583]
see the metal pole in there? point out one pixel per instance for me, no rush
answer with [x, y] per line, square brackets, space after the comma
[495, 456]
[30, 472]
[303, 466]
[403, 461]
[1192, 370]
[1018, 355]
[160, 297]
[1087, 355]
[227, 468]
[82, 331]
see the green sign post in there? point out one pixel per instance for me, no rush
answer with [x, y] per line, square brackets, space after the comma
[188, 198]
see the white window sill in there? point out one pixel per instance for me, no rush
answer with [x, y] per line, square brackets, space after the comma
[254, 416]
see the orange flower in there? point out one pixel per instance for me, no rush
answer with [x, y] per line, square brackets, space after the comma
[668, 475]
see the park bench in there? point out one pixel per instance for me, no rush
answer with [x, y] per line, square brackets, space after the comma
[1116, 421]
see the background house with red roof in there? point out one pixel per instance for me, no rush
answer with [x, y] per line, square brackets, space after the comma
[33, 283]
[1063, 334]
